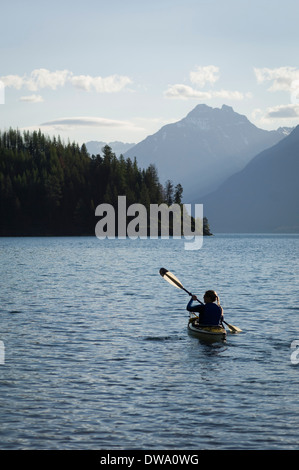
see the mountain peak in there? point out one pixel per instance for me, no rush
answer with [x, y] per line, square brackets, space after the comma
[295, 132]
[199, 111]
[216, 115]
[293, 136]
[228, 109]
[285, 131]
[203, 148]
[204, 109]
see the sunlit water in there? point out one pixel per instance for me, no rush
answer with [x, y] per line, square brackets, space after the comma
[97, 353]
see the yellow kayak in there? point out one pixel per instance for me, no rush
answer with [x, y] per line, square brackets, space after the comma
[214, 333]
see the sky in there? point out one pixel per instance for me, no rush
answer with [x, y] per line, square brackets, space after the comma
[119, 70]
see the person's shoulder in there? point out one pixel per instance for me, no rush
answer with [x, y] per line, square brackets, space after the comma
[213, 306]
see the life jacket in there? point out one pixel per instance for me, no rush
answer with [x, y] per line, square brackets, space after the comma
[211, 315]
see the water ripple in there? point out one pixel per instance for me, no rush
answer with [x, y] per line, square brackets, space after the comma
[97, 353]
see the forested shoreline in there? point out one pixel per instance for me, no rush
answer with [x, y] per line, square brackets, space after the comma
[51, 188]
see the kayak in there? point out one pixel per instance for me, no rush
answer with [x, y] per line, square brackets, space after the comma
[210, 333]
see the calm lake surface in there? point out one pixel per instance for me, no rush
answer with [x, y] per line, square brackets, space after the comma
[97, 353]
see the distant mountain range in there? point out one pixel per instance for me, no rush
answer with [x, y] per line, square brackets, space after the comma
[263, 197]
[203, 149]
[246, 177]
[94, 147]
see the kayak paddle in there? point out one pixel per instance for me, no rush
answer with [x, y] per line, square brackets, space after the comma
[173, 280]
[169, 277]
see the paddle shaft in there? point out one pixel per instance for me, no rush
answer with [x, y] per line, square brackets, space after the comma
[186, 291]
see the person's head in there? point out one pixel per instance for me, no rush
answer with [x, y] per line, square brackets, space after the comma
[210, 296]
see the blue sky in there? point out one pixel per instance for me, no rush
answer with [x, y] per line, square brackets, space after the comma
[115, 70]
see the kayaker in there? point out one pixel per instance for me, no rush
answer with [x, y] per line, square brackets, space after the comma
[210, 313]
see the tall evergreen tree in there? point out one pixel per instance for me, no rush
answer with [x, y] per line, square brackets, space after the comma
[169, 192]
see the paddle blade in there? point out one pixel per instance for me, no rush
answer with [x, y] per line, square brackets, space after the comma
[169, 277]
[232, 328]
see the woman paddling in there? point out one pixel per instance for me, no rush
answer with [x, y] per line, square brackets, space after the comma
[210, 313]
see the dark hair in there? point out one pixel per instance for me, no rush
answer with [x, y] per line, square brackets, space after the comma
[213, 296]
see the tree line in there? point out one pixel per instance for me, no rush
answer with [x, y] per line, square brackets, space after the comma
[48, 187]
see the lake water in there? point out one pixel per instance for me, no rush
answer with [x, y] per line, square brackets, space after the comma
[97, 353]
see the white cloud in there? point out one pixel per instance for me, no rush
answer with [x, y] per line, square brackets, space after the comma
[231, 95]
[38, 79]
[199, 78]
[203, 75]
[84, 128]
[32, 98]
[86, 121]
[82, 81]
[283, 112]
[289, 113]
[110, 84]
[181, 91]
[295, 92]
[184, 92]
[2, 92]
[14, 81]
[43, 78]
[283, 78]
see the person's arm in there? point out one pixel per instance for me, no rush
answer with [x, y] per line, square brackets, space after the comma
[194, 308]
[222, 317]
[189, 306]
